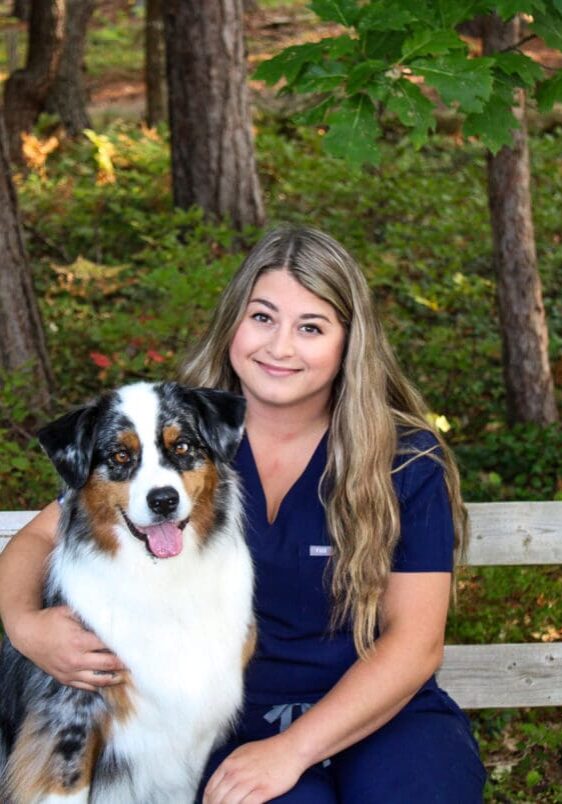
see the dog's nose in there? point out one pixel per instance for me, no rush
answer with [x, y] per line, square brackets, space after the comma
[163, 500]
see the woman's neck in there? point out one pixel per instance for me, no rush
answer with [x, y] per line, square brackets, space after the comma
[285, 424]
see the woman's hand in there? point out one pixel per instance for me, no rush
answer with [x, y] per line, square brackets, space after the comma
[57, 643]
[256, 772]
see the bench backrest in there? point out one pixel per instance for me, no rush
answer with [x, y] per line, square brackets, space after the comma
[479, 676]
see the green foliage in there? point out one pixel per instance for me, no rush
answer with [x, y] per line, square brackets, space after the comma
[517, 463]
[390, 44]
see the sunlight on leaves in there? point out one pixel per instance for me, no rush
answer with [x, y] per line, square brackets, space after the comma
[104, 154]
[439, 421]
[35, 152]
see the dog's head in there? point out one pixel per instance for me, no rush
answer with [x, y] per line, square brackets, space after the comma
[147, 457]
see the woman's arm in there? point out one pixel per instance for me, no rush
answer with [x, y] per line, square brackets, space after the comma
[372, 691]
[52, 638]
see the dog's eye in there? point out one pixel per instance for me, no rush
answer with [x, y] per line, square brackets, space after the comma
[122, 457]
[181, 448]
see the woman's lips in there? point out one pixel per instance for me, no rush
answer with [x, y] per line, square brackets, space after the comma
[277, 371]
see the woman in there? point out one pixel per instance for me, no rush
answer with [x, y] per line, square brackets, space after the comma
[353, 514]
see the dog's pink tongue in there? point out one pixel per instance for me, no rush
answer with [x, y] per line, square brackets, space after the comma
[165, 540]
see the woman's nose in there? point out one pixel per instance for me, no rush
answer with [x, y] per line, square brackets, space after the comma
[281, 343]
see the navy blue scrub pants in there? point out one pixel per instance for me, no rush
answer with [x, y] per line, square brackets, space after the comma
[424, 755]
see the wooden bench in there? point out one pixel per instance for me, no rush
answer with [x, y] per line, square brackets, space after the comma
[481, 676]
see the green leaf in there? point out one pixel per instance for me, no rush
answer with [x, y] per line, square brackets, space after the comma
[339, 46]
[315, 114]
[21, 462]
[345, 12]
[509, 8]
[289, 62]
[451, 12]
[549, 92]
[413, 109]
[363, 74]
[431, 43]
[353, 131]
[494, 125]
[549, 28]
[389, 15]
[320, 77]
[467, 82]
[386, 46]
[522, 66]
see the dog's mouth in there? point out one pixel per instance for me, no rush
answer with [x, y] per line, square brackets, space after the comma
[163, 540]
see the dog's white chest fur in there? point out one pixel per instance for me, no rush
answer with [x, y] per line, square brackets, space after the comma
[179, 626]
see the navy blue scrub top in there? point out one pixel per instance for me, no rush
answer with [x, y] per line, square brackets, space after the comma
[298, 657]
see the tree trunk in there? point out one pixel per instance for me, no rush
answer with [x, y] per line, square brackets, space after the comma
[21, 9]
[528, 378]
[67, 95]
[26, 90]
[22, 342]
[213, 162]
[155, 64]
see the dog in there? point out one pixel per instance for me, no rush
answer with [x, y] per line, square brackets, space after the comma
[152, 558]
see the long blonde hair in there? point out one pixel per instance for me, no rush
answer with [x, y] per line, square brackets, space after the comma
[371, 400]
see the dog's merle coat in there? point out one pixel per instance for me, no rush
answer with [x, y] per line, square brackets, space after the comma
[151, 557]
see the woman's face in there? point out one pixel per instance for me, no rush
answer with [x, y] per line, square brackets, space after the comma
[288, 348]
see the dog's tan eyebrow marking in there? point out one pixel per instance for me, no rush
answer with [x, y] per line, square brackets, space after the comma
[130, 440]
[170, 435]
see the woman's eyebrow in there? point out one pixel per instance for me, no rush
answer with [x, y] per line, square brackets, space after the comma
[266, 303]
[303, 317]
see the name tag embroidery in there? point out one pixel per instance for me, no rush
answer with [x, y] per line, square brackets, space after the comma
[320, 550]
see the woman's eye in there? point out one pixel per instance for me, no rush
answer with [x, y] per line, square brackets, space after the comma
[262, 318]
[181, 448]
[311, 329]
[121, 457]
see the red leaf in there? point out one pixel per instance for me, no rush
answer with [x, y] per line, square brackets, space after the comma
[103, 361]
[152, 354]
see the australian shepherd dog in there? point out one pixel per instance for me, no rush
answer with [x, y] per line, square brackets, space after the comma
[152, 558]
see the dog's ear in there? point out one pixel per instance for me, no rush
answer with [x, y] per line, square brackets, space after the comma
[69, 443]
[220, 419]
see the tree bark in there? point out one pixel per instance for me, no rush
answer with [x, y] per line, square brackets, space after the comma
[213, 161]
[67, 95]
[155, 64]
[21, 9]
[528, 378]
[26, 90]
[22, 342]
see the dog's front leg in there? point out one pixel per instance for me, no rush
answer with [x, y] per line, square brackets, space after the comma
[54, 755]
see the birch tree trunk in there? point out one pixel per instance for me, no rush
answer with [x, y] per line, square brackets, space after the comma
[528, 378]
[22, 341]
[26, 89]
[213, 161]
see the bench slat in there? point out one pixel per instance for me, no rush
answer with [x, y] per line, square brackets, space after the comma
[480, 676]
[515, 533]
[502, 533]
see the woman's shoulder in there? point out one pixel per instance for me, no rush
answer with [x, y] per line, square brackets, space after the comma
[418, 458]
